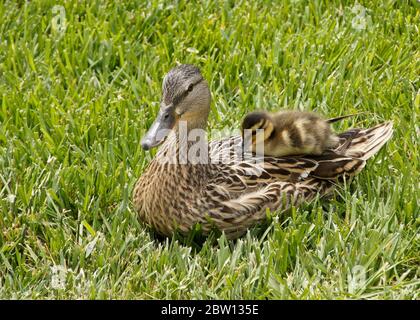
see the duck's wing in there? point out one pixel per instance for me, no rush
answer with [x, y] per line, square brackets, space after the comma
[332, 165]
[349, 158]
[235, 214]
[237, 171]
[243, 190]
[364, 143]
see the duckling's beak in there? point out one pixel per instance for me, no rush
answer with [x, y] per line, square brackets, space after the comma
[160, 128]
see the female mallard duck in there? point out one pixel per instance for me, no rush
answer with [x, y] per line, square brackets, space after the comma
[218, 186]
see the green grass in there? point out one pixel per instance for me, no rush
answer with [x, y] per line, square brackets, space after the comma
[74, 105]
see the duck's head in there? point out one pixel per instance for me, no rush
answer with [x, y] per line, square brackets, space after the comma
[185, 98]
[252, 122]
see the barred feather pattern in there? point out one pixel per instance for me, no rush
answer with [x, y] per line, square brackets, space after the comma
[235, 194]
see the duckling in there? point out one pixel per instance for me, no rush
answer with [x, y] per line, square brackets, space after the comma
[289, 133]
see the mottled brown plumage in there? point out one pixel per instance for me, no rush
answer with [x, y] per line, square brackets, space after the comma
[234, 194]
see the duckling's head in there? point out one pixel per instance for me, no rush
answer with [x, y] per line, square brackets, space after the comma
[258, 120]
[257, 128]
[185, 97]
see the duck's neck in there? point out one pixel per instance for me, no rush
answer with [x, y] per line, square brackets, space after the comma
[184, 146]
[174, 173]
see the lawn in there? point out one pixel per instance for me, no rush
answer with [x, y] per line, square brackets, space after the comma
[80, 83]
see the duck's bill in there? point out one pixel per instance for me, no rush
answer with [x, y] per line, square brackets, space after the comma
[159, 130]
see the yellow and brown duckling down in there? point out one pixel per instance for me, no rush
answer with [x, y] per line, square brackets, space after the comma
[234, 194]
[288, 133]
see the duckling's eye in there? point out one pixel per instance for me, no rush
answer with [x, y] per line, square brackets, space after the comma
[190, 87]
[166, 116]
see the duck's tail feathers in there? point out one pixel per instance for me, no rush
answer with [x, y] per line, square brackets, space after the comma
[332, 120]
[364, 143]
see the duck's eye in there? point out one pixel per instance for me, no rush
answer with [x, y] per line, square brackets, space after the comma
[190, 87]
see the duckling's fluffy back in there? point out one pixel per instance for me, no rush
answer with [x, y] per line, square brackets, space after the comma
[291, 133]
